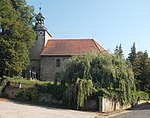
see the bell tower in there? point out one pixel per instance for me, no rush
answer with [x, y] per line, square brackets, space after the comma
[42, 36]
[39, 20]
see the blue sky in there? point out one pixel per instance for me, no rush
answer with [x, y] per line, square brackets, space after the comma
[109, 22]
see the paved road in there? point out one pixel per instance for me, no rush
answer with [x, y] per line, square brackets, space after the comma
[16, 110]
[141, 112]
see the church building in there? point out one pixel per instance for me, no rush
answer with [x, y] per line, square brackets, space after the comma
[47, 55]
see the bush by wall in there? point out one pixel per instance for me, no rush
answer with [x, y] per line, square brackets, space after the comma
[141, 95]
[30, 94]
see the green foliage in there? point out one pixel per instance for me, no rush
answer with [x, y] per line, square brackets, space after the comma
[118, 51]
[141, 66]
[76, 95]
[30, 94]
[31, 89]
[134, 61]
[16, 36]
[25, 83]
[142, 95]
[1, 88]
[110, 74]
[3, 82]
[78, 67]
[144, 77]
[84, 90]
[56, 90]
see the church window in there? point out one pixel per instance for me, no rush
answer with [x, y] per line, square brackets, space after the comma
[57, 62]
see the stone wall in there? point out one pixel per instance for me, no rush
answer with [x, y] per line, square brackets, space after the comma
[42, 97]
[45, 97]
[91, 105]
[11, 92]
[35, 53]
[104, 104]
[37, 47]
[48, 67]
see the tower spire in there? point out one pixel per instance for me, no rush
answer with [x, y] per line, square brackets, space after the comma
[39, 19]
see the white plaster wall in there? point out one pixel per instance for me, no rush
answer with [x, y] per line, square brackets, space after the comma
[47, 37]
[108, 105]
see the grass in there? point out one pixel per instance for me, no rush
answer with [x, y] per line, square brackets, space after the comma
[25, 83]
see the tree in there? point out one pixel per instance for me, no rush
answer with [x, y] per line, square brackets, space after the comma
[108, 73]
[16, 36]
[144, 77]
[115, 75]
[141, 66]
[77, 76]
[118, 51]
[134, 62]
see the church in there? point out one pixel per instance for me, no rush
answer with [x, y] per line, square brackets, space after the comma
[47, 55]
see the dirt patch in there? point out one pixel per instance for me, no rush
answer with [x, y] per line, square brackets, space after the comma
[3, 99]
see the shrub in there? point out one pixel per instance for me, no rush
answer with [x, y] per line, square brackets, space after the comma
[1, 90]
[142, 95]
[30, 94]
[56, 90]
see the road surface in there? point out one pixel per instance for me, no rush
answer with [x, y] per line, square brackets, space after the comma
[12, 109]
[15, 110]
[141, 112]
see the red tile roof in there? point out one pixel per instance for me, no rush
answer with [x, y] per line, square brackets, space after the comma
[70, 47]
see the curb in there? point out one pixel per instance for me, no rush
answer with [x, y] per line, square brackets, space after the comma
[112, 114]
[116, 113]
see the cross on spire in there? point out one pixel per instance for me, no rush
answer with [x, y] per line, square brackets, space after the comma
[40, 9]
[39, 18]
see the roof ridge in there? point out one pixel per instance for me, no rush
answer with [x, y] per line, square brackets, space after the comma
[71, 47]
[67, 39]
[97, 45]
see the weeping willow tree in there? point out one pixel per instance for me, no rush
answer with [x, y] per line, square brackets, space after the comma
[86, 74]
[114, 74]
[77, 76]
[79, 67]
[76, 95]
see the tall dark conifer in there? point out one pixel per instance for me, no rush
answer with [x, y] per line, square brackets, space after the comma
[134, 61]
[135, 64]
[144, 77]
[118, 51]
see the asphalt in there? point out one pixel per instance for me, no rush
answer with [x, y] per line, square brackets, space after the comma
[10, 109]
[14, 109]
[140, 111]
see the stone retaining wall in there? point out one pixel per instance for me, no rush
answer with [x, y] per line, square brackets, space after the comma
[10, 92]
[42, 97]
[104, 104]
